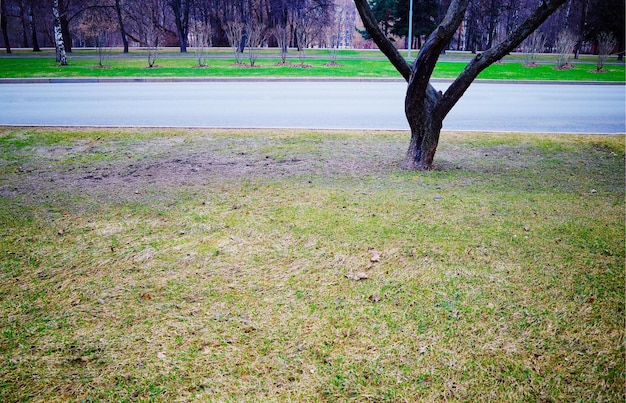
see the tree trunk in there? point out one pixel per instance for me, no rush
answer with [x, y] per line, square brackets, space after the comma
[58, 35]
[120, 21]
[65, 31]
[33, 29]
[3, 25]
[425, 129]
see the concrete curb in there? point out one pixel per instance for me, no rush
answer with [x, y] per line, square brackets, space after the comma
[95, 80]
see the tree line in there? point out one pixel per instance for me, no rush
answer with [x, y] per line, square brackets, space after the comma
[295, 23]
[30, 23]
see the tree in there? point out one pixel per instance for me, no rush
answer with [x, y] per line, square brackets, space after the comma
[254, 39]
[120, 23]
[606, 44]
[33, 26]
[425, 107]
[234, 32]
[565, 44]
[200, 39]
[3, 25]
[180, 8]
[608, 15]
[532, 45]
[58, 35]
[97, 26]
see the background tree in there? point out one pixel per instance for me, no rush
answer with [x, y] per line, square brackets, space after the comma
[254, 39]
[533, 45]
[181, 8]
[425, 107]
[200, 39]
[234, 32]
[565, 44]
[608, 16]
[4, 24]
[424, 20]
[606, 44]
[121, 24]
[58, 35]
[98, 27]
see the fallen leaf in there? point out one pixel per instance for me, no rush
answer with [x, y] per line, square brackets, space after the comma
[375, 256]
[374, 298]
[357, 276]
[147, 296]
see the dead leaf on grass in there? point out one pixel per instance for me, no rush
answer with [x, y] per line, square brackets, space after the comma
[357, 276]
[375, 256]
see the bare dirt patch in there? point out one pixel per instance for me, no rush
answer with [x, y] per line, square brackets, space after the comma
[121, 169]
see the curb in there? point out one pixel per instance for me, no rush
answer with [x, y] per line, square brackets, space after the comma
[96, 80]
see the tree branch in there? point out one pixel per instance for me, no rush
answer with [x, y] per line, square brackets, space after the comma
[434, 45]
[495, 53]
[384, 44]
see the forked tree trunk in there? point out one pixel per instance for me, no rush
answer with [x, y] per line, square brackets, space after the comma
[426, 108]
[425, 130]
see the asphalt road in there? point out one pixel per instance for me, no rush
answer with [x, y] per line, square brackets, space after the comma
[560, 108]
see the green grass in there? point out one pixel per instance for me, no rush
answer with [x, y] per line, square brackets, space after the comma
[211, 265]
[363, 64]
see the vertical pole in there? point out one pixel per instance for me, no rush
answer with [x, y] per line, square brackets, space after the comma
[410, 41]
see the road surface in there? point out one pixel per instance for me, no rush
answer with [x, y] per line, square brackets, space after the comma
[560, 108]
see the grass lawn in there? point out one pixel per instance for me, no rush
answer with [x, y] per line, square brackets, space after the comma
[360, 64]
[213, 265]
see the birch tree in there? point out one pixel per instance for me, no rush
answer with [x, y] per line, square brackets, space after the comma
[425, 107]
[61, 57]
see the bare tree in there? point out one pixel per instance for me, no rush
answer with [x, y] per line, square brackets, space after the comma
[200, 39]
[254, 39]
[152, 37]
[606, 44]
[61, 57]
[97, 26]
[234, 33]
[533, 45]
[334, 34]
[426, 107]
[565, 44]
[280, 34]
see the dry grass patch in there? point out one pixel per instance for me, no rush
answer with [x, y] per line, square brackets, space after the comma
[207, 265]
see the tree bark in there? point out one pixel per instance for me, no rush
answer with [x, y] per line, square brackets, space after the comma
[65, 32]
[425, 108]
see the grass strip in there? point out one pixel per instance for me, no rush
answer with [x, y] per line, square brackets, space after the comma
[350, 64]
[214, 265]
